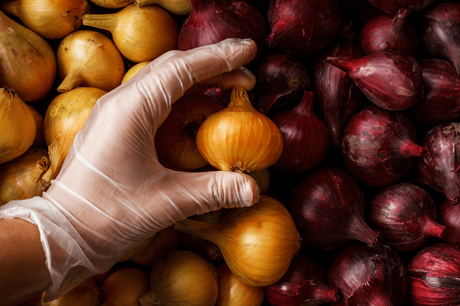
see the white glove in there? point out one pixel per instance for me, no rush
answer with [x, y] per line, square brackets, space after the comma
[111, 193]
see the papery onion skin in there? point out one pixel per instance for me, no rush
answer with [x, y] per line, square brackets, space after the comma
[328, 209]
[303, 28]
[302, 285]
[434, 276]
[406, 217]
[392, 6]
[112, 3]
[449, 215]
[439, 168]
[177, 7]
[368, 276]
[379, 146]
[124, 286]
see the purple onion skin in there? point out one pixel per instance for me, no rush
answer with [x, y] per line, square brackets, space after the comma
[303, 28]
[440, 31]
[390, 33]
[439, 169]
[392, 6]
[434, 276]
[338, 96]
[389, 79]
[441, 101]
[212, 21]
[328, 209]
[378, 146]
[302, 285]
[368, 276]
[405, 215]
[281, 81]
[449, 215]
[306, 138]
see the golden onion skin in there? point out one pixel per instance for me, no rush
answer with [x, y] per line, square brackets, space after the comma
[239, 138]
[112, 3]
[177, 7]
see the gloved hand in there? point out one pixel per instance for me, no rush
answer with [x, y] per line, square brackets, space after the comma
[112, 190]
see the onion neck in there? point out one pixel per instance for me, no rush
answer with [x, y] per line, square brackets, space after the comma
[305, 107]
[199, 229]
[411, 149]
[107, 22]
[400, 20]
[9, 7]
[433, 229]
[239, 98]
[360, 231]
[71, 81]
[345, 64]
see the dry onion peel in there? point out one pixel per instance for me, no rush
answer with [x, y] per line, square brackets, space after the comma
[124, 286]
[112, 3]
[177, 7]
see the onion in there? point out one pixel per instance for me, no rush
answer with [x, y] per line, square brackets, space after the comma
[223, 95]
[392, 6]
[405, 215]
[134, 70]
[212, 21]
[50, 19]
[17, 126]
[39, 140]
[389, 79]
[369, 276]
[439, 168]
[440, 28]
[306, 138]
[303, 27]
[124, 286]
[64, 118]
[449, 216]
[21, 177]
[434, 274]
[175, 140]
[87, 293]
[233, 292]
[302, 285]
[390, 33]
[281, 81]
[19, 45]
[181, 277]
[239, 138]
[140, 33]
[112, 3]
[328, 209]
[89, 58]
[379, 146]
[177, 7]
[257, 242]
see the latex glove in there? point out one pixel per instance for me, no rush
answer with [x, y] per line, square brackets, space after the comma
[113, 191]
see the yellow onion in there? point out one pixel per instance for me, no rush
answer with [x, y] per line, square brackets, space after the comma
[64, 117]
[87, 293]
[181, 277]
[124, 286]
[140, 33]
[20, 45]
[89, 58]
[112, 3]
[39, 140]
[50, 19]
[162, 242]
[134, 70]
[257, 242]
[177, 7]
[21, 178]
[233, 292]
[17, 126]
[239, 138]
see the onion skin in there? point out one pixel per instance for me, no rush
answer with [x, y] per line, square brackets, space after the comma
[389, 79]
[124, 286]
[378, 146]
[434, 274]
[112, 3]
[328, 209]
[87, 293]
[177, 7]
[368, 276]
[303, 28]
[439, 169]
[302, 285]
[39, 140]
[134, 70]
[449, 216]
[392, 6]
[51, 19]
[405, 215]
[18, 44]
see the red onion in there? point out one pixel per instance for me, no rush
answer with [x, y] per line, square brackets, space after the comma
[391, 80]
[439, 169]
[434, 276]
[221, 95]
[379, 146]
[328, 209]
[302, 285]
[390, 32]
[441, 101]
[405, 215]
[339, 97]
[368, 276]
[392, 6]
[306, 138]
[211, 21]
[449, 215]
[281, 81]
[303, 27]
[440, 31]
